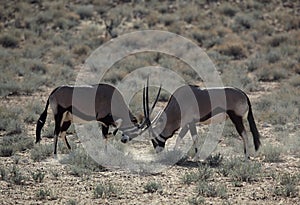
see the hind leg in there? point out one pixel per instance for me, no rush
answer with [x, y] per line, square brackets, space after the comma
[58, 119]
[238, 122]
[63, 132]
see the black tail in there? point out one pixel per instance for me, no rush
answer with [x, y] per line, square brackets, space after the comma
[253, 127]
[41, 122]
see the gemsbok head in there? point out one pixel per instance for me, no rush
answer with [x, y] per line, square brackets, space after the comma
[102, 102]
[180, 112]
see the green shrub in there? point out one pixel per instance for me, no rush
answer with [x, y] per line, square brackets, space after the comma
[44, 194]
[269, 74]
[10, 120]
[38, 176]
[273, 56]
[214, 160]
[243, 21]
[85, 11]
[16, 176]
[81, 161]
[72, 202]
[3, 172]
[295, 80]
[228, 10]
[288, 185]
[271, 153]
[196, 201]
[209, 190]
[277, 40]
[6, 151]
[105, 190]
[78, 171]
[41, 152]
[203, 173]
[190, 177]
[240, 171]
[152, 186]
[9, 41]
[243, 171]
[14, 143]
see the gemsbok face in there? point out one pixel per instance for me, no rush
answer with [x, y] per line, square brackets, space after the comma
[179, 113]
[102, 103]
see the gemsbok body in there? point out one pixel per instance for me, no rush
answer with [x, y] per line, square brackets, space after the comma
[190, 105]
[101, 102]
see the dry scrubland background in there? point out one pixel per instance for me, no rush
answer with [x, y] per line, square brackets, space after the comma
[255, 46]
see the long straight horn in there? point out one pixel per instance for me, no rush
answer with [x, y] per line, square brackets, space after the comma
[147, 99]
[156, 99]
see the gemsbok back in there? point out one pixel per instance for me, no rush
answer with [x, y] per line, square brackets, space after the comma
[101, 102]
[180, 112]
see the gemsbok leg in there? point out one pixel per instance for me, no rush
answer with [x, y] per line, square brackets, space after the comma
[193, 130]
[239, 125]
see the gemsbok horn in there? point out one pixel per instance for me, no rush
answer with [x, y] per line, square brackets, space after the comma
[180, 113]
[101, 102]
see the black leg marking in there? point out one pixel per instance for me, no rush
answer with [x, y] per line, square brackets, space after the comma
[57, 118]
[193, 131]
[104, 131]
[64, 128]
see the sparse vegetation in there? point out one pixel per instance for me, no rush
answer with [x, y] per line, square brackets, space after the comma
[14, 143]
[288, 185]
[105, 190]
[38, 176]
[254, 45]
[272, 153]
[81, 162]
[209, 190]
[41, 152]
[203, 173]
[43, 194]
[152, 186]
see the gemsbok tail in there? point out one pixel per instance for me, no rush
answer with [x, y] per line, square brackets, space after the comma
[40, 123]
[253, 127]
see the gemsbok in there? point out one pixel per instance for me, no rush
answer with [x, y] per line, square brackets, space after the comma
[210, 105]
[78, 104]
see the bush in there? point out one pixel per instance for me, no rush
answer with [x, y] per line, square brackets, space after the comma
[44, 194]
[271, 153]
[17, 177]
[245, 171]
[228, 10]
[105, 190]
[203, 174]
[152, 187]
[41, 152]
[38, 176]
[196, 200]
[288, 185]
[269, 74]
[240, 171]
[244, 21]
[209, 190]
[214, 160]
[14, 143]
[9, 41]
[81, 162]
[273, 56]
[85, 11]
[10, 120]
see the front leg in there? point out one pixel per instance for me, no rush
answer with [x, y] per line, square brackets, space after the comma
[181, 134]
[193, 131]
